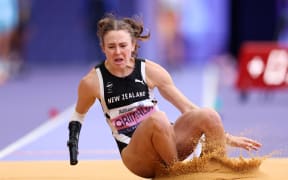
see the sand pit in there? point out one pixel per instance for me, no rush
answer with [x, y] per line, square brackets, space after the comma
[270, 169]
[61, 170]
[252, 169]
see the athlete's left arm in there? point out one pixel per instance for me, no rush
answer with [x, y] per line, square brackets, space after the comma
[157, 76]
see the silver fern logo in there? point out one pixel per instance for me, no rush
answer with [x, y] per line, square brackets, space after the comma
[109, 87]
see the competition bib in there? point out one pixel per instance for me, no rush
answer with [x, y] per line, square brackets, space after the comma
[129, 121]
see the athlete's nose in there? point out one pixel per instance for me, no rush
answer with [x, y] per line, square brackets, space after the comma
[117, 50]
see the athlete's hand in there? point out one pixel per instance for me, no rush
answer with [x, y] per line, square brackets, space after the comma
[242, 142]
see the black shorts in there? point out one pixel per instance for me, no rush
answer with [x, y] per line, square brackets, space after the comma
[122, 145]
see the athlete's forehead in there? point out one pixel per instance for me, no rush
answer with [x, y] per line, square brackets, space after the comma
[117, 36]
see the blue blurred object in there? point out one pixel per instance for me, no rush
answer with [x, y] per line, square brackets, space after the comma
[8, 15]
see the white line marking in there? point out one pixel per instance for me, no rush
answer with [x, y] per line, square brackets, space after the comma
[40, 131]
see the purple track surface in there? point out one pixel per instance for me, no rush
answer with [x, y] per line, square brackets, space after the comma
[25, 103]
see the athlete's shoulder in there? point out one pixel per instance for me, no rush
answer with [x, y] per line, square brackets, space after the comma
[89, 78]
[153, 65]
[155, 74]
[89, 84]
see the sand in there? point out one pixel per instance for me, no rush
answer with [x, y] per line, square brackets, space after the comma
[270, 169]
[266, 169]
[61, 170]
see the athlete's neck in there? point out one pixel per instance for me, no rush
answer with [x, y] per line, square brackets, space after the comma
[121, 71]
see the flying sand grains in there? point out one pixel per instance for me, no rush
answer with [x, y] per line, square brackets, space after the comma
[209, 163]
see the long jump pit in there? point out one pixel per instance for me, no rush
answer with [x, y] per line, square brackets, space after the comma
[267, 169]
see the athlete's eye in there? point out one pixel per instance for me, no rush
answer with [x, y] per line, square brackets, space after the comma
[123, 45]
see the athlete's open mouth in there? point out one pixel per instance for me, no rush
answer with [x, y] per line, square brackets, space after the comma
[118, 60]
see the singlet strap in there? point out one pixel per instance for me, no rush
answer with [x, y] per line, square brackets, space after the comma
[101, 86]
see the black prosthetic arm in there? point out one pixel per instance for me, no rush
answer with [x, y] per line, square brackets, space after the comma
[74, 131]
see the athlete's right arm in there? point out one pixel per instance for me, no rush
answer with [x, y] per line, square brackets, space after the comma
[87, 94]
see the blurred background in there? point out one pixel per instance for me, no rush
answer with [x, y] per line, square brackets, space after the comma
[46, 46]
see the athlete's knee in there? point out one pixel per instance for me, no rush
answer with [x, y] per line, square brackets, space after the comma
[210, 118]
[159, 122]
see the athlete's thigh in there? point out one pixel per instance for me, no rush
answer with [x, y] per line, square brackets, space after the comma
[188, 130]
[140, 155]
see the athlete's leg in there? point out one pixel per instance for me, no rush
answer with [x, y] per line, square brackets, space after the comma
[152, 143]
[191, 125]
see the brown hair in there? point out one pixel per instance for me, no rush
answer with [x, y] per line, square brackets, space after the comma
[133, 26]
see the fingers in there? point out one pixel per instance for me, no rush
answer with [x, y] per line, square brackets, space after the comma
[243, 142]
[250, 147]
[251, 144]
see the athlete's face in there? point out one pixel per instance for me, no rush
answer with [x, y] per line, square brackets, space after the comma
[118, 47]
